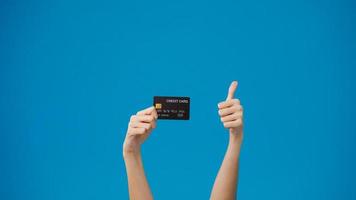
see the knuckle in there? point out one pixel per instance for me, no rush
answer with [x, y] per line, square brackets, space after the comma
[150, 118]
[149, 126]
[133, 117]
[129, 130]
[131, 124]
[238, 122]
[237, 114]
[237, 107]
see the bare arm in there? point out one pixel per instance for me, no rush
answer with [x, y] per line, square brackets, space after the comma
[138, 185]
[139, 128]
[231, 113]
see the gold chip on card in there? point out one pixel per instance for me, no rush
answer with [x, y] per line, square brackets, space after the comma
[158, 106]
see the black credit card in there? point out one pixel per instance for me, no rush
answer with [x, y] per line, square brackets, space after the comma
[172, 107]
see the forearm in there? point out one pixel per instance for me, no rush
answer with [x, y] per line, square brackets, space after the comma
[138, 185]
[139, 128]
[225, 185]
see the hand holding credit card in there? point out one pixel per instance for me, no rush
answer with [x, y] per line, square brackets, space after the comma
[174, 108]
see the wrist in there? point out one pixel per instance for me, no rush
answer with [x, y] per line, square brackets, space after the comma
[233, 149]
[236, 137]
[127, 154]
[131, 150]
[235, 141]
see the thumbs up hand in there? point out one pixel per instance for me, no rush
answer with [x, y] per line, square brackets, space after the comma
[231, 113]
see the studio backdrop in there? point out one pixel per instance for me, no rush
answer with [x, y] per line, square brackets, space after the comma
[72, 73]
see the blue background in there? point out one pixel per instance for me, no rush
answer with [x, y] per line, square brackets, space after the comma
[72, 72]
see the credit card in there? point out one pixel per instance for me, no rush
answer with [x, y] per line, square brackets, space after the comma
[176, 108]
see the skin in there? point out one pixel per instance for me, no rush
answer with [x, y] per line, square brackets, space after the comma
[141, 126]
[231, 115]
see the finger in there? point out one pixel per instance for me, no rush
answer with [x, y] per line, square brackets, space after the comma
[152, 118]
[137, 131]
[146, 111]
[233, 124]
[154, 113]
[231, 117]
[146, 126]
[228, 111]
[232, 90]
[133, 118]
[145, 118]
[228, 103]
